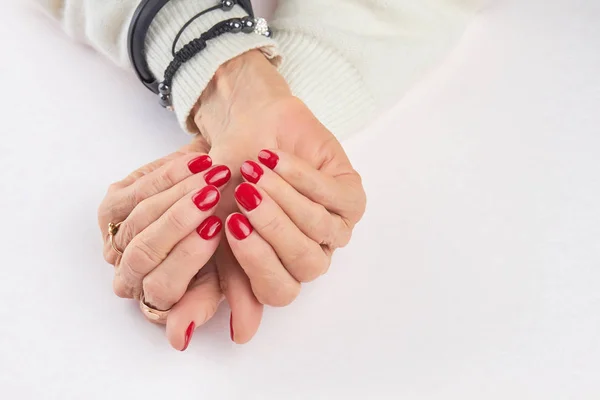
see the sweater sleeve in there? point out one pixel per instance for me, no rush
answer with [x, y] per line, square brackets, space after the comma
[344, 58]
[349, 58]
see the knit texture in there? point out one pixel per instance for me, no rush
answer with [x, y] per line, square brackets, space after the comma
[345, 59]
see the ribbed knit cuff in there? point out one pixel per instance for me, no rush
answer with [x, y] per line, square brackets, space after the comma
[193, 77]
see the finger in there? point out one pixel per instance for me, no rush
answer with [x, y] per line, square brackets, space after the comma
[301, 256]
[151, 209]
[148, 168]
[271, 283]
[198, 305]
[342, 194]
[246, 310]
[167, 283]
[313, 219]
[119, 204]
[151, 247]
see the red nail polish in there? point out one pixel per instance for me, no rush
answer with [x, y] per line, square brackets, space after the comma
[210, 228]
[239, 226]
[189, 332]
[248, 196]
[207, 198]
[218, 176]
[200, 164]
[268, 158]
[251, 171]
[231, 327]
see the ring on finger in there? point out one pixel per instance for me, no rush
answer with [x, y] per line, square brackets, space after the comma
[154, 315]
[113, 229]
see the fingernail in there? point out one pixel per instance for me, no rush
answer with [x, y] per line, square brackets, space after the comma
[231, 327]
[248, 196]
[189, 332]
[200, 164]
[207, 198]
[239, 226]
[218, 176]
[210, 228]
[268, 158]
[251, 171]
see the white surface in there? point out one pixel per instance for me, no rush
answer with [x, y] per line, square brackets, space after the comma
[475, 274]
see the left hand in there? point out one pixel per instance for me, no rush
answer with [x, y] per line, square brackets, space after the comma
[311, 200]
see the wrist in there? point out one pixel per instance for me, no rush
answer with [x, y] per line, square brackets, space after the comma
[241, 87]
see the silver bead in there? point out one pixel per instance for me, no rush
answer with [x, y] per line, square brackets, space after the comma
[165, 100]
[163, 88]
[248, 24]
[236, 26]
[227, 5]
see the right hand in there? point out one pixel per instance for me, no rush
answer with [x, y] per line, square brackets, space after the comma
[168, 236]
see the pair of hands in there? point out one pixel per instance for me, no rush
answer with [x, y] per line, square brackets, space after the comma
[286, 209]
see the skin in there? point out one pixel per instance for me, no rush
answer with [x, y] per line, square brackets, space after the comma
[311, 201]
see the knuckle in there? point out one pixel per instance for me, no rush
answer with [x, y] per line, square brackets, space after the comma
[164, 180]
[121, 289]
[281, 296]
[321, 225]
[179, 221]
[125, 234]
[343, 238]
[307, 264]
[270, 226]
[159, 292]
[137, 194]
[114, 188]
[139, 257]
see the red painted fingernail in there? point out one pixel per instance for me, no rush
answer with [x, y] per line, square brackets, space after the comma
[248, 196]
[207, 198]
[251, 171]
[218, 176]
[268, 158]
[231, 327]
[210, 228]
[239, 226]
[200, 164]
[189, 332]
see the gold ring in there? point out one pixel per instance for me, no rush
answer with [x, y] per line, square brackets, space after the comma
[154, 315]
[112, 231]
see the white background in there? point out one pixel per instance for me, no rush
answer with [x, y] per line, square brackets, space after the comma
[475, 274]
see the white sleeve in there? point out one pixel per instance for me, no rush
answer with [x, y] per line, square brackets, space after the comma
[349, 58]
[343, 58]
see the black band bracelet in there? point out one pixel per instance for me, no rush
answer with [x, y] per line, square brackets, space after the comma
[140, 24]
[234, 25]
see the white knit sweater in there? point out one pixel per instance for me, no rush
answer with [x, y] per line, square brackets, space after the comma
[343, 58]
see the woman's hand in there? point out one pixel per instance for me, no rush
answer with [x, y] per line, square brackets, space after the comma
[294, 217]
[167, 236]
[310, 202]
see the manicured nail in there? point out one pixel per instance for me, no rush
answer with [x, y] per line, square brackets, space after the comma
[251, 171]
[189, 332]
[239, 226]
[207, 198]
[248, 196]
[231, 327]
[268, 158]
[210, 228]
[218, 176]
[200, 164]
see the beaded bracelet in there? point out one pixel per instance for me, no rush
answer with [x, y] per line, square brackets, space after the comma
[234, 25]
[140, 24]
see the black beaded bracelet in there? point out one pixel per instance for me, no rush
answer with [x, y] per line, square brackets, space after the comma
[138, 29]
[190, 50]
